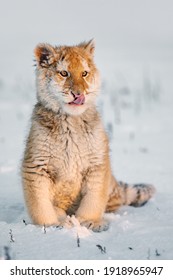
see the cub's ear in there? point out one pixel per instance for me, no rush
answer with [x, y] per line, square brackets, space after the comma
[45, 55]
[88, 46]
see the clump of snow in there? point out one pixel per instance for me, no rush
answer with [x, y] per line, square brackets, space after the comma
[76, 229]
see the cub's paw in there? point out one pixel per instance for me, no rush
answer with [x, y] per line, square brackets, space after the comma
[99, 226]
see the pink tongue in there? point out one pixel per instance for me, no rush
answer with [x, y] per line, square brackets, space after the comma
[79, 100]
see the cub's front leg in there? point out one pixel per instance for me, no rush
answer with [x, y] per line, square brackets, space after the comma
[95, 196]
[37, 192]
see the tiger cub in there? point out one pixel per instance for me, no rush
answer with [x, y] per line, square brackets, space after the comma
[66, 166]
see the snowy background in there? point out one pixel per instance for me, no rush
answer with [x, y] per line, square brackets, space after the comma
[134, 52]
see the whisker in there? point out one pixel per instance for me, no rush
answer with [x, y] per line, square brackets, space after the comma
[95, 91]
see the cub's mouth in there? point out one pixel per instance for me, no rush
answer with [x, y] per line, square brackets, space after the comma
[78, 100]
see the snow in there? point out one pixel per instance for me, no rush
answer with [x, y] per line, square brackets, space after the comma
[136, 104]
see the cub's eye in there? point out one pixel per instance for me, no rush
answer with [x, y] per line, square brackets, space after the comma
[64, 73]
[84, 73]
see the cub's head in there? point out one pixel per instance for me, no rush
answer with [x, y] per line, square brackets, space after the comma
[67, 77]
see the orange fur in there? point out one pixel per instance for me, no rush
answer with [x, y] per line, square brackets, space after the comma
[66, 166]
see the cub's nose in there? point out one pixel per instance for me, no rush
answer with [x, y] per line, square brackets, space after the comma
[76, 93]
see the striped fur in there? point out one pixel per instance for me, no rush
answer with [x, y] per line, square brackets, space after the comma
[66, 167]
[125, 194]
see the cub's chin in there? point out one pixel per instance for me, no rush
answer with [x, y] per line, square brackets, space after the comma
[74, 109]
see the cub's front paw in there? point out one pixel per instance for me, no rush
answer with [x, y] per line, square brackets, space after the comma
[98, 226]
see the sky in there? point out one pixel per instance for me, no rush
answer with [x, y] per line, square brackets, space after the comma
[122, 29]
[117, 22]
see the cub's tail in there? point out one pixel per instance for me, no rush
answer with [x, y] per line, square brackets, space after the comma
[125, 194]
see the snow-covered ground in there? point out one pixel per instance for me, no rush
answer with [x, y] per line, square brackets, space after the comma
[136, 103]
